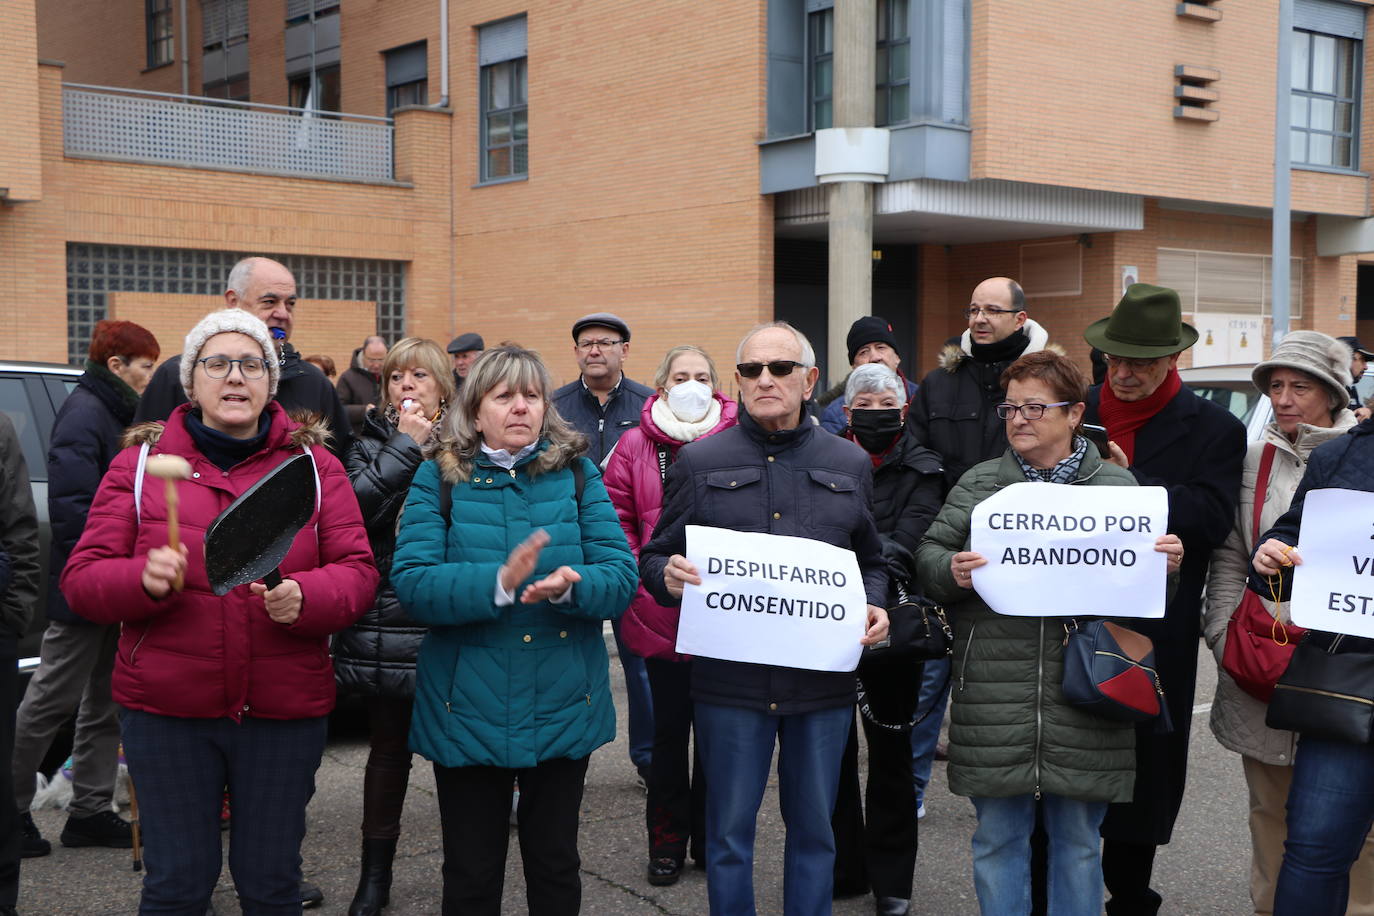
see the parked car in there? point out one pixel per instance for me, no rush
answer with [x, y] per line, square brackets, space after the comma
[1232, 388]
[30, 395]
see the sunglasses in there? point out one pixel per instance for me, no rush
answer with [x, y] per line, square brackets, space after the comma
[777, 368]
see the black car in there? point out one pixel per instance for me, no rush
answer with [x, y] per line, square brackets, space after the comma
[30, 395]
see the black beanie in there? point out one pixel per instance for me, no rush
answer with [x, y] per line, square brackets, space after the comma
[869, 329]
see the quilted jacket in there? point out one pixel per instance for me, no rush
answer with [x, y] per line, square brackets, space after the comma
[193, 654]
[634, 481]
[1011, 731]
[1238, 718]
[376, 656]
[509, 686]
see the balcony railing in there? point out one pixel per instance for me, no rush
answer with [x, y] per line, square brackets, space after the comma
[133, 125]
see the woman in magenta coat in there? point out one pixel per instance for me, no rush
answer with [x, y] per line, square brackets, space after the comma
[685, 406]
[228, 691]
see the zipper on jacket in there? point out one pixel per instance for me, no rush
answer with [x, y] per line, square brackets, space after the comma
[133, 653]
[1039, 699]
[963, 668]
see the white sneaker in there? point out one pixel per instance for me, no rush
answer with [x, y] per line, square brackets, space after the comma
[920, 811]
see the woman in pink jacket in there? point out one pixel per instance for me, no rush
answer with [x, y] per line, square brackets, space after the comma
[228, 691]
[685, 406]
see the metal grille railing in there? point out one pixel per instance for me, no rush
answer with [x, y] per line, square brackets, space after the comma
[131, 124]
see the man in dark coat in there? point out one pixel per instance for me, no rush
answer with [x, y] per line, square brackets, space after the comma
[360, 385]
[463, 350]
[268, 290]
[954, 411]
[775, 473]
[870, 340]
[18, 539]
[1167, 437]
[601, 403]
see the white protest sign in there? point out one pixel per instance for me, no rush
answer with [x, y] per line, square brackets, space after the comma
[772, 600]
[1056, 550]
[1333, 589]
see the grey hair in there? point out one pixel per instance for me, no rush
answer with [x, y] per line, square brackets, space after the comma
[808, 354]
[240, 274]
[873, 378]
[372, 340]
[518, 369]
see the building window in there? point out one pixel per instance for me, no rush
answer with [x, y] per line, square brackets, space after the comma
[407, 77]
[1220, 281]
[94, 271]
[892, 73]
[1325, 99]
[224, 37]
[892, 101]
[504, 100]
[159, 38]
[323, 94]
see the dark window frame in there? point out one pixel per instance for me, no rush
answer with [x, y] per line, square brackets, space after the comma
[892, 65]
[160, 44]
[820, 59]
[1348, 52]
[516, 143]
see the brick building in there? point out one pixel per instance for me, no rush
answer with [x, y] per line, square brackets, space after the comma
[550, 159]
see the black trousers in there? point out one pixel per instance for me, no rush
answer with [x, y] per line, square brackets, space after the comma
[474, 814]
[9, 817]
[675, 812]
[875, 845]
[388, 766]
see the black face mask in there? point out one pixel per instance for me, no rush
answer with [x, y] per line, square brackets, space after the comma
[876, 429]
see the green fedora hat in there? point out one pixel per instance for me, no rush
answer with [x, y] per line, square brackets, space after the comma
[1146, 323]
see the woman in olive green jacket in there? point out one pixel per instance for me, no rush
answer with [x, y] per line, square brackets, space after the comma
[1013, 737]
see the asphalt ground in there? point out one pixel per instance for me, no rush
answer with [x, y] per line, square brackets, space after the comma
[1203, 871]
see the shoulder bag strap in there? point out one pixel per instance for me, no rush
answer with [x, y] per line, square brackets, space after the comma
[1261, 488]
[665, 458]
[138, 483]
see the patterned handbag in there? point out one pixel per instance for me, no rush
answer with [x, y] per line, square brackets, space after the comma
[1109, 670]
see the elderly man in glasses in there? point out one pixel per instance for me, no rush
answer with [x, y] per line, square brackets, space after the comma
[777, 472]
[1167, 437]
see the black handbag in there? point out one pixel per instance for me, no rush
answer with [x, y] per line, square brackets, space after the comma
[917, 631]
[1327, 690]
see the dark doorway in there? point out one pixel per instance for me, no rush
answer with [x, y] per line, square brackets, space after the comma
[800, 295]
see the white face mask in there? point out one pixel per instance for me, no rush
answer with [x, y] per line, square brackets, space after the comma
[690, 400]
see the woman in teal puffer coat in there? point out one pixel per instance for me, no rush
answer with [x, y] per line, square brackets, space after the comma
[1013, 738]
[509, 549]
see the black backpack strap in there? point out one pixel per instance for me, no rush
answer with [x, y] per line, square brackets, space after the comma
[445, 501]
[579, 480]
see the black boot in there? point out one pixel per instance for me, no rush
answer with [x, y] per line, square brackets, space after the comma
[374, 884]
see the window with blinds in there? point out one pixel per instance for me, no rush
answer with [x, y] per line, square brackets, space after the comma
[1218, 281]
[1052, 268]
[502, 51]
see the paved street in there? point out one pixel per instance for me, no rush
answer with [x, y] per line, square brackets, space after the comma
[1202, 872]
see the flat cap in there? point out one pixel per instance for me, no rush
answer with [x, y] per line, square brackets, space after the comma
[465, 342]
[601, 320]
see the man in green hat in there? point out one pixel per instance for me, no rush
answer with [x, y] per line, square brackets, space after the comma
[1167, 437]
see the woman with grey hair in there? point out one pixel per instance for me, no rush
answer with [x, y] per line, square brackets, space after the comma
[513, 677]
[906, 497]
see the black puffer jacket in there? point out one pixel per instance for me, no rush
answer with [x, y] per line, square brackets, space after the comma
[376, 656]
[85, 439]
[802, 482]
[906, 498]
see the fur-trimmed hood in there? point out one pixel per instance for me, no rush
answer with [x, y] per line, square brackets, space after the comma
[308, 428]
[952, 355]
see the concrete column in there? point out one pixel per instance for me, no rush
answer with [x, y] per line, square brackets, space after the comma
[851, 202]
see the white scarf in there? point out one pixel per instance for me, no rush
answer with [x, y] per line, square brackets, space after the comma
[673, 428]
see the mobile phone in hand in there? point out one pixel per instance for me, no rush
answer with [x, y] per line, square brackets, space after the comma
[1098, 436]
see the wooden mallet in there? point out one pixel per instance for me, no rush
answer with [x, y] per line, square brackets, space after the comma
[171, 468]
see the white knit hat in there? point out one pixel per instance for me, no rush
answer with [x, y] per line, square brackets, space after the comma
[229, 321]
[1321, 356]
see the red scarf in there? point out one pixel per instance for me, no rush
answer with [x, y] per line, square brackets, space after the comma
[1123, 418]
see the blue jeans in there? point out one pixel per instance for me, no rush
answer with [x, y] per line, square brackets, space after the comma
[1002, 855]
[1330, 810]
[640, 701]
[925, 736]
[737, 751]
[181, 767]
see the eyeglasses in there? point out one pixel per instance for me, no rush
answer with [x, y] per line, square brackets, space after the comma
[601, 344]
[973, 311]
[778, 368]
[1029, 411]
[1135, 365]
[252, 367]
